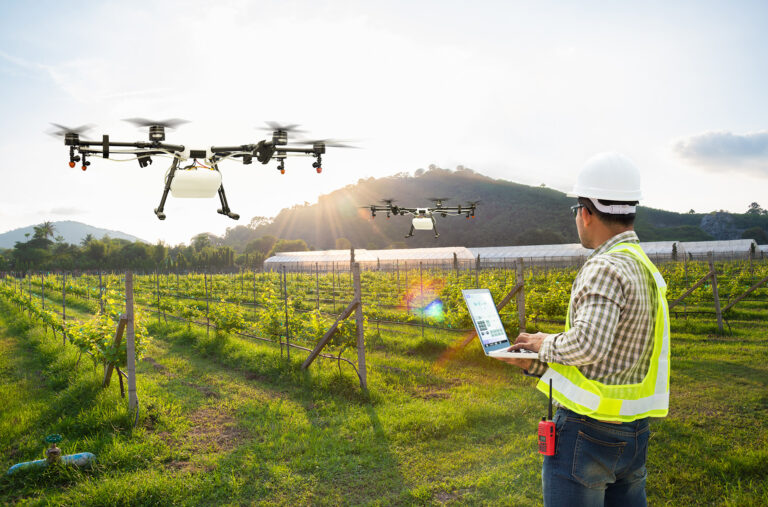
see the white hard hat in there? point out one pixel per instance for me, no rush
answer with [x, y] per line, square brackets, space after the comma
[609, 176]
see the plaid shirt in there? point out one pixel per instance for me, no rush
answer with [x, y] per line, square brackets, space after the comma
[613, 309]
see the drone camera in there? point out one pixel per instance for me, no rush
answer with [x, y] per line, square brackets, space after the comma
[197, 154]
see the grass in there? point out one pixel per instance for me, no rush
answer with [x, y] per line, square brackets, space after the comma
[226, 420]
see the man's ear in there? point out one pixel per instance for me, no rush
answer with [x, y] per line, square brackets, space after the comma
[586, 216]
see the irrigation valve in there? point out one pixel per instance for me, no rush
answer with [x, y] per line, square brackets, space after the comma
[53, 453]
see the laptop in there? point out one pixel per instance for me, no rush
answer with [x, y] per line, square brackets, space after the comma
[488, 325]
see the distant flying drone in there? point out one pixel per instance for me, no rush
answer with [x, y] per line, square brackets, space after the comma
[424, 218]
[201, 178]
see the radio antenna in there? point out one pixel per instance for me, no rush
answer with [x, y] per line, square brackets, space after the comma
[550, 399]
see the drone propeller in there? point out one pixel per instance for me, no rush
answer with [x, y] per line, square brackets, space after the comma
[438, 200]
[63, 131]
[331, 143]
[171, 123]
[388, 202]
[473, 203]
[273, 125]
[156, 128]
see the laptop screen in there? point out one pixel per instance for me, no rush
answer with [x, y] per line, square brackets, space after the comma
[488, 324]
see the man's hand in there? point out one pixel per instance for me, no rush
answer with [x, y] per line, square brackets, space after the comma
[530, 342]
[525, 341]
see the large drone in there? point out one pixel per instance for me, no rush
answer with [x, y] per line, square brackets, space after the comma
[201, 178]
[424, 218]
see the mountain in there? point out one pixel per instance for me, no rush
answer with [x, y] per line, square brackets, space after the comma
[73, 232]
[509, 214]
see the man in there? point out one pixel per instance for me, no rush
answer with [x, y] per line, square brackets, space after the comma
[609, 369]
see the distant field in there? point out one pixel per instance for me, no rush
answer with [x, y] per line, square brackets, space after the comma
[226, 419]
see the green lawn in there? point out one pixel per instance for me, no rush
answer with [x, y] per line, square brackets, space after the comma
[230, 421]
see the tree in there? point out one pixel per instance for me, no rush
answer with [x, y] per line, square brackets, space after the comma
[343, 244]
[158, 252]
[44, 230]
[96, 250]
[87, 239]
[289, 245]
[263, 244]
[755, 209]
[201, 241]
[756, 233]
[258, 222]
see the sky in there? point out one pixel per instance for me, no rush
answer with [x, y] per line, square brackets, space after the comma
[523, 91]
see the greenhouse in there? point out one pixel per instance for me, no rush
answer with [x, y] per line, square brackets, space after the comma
[325, 260]
[736, 249]
[540, 255]
[572, 254]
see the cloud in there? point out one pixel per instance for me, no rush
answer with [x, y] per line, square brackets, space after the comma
[64, 210]
[726, 151]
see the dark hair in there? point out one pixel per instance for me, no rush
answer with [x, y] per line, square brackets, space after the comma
[610, 218]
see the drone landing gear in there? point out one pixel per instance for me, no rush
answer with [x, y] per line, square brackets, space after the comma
[224, 210]
[168, 180]
[410, 233]
[434, 226]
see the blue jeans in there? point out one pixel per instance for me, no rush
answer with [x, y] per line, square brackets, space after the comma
[595, 463]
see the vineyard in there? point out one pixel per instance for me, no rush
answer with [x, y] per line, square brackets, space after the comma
[221, 354]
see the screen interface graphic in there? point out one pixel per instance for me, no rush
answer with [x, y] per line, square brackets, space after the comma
[487, 321]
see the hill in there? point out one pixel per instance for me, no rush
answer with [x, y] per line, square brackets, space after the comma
[509, 214]
[72, 232]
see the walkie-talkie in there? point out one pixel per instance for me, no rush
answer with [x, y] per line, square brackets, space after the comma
[547, 430]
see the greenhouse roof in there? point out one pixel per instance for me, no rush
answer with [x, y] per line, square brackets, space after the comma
[734, 245]
[363, 255]
[542, 252]
[658, 247]
[529, 251]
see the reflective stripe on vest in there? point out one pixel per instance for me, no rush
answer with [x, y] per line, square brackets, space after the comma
[649, 398]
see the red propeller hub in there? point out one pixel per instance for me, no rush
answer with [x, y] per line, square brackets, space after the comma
[84, 168]
[319, 170]
[71, 164]
[282, 171]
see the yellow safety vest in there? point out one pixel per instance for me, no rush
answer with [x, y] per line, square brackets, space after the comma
[649, 398]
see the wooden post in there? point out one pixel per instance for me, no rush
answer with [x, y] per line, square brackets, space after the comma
[157, 279]
[64, 307]
[715, 293]
[520, 295]
[207, 307]
[42, 289]
[317, 286]
[359, 325]
[333, 288]
[477, 272]
[456, 264]
[287, 329]
[101, 293]
[130, 344]
[397, 267]
[421, 300]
